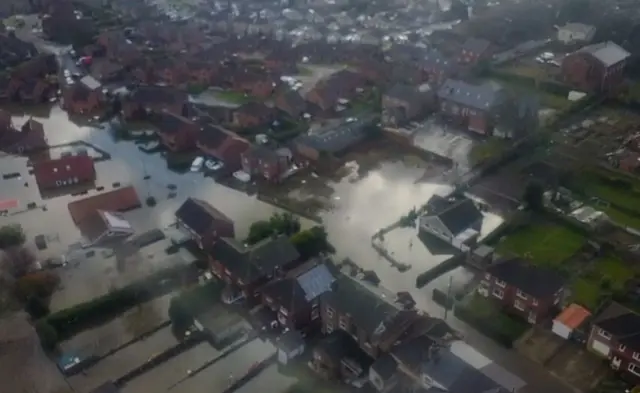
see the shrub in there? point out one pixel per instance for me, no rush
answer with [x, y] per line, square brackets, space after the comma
[39, 284]
[47, 334]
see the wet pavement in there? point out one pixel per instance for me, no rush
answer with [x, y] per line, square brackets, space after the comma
[360, 206]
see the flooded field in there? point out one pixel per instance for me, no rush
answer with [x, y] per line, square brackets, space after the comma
[120, 363]
[100, 340]
[268, 377]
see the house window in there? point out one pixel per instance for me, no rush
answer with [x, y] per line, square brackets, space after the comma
[329, 328]
[344, 324]
[499, 293]
[329, 312]
[636, 356]
[501, 283]
[634, 369]
[622, 348]
[521, 295]
[519, 305]
[487, 276]
[535, 302]
[314, 314]
[604, 334]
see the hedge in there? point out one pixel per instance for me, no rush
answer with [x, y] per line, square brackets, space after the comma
[64, 324]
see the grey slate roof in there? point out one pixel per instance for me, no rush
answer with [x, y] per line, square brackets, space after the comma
[608, 53]
[199, 215]
[368, 310]
[621, 323]
[482, 97]
[315, 281]
[337, 139]
[536, 281]
[457, 216]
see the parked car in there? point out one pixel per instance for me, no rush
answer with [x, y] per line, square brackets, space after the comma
[196, 165]
[213, 165]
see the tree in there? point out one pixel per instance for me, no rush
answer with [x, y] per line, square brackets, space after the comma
[259, 230]
[279, 224]
[533, 196]
[47, 334]
[11, 236]
[18, 261]
[312, 242]
[36, 285]
[36, 307]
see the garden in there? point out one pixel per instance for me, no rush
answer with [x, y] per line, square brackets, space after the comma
[600, 280]
[543, 243]
[490, 320]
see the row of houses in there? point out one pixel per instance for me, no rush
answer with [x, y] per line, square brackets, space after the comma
[369, 336]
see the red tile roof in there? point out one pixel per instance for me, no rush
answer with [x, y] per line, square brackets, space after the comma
[119, 200]
[64, 171]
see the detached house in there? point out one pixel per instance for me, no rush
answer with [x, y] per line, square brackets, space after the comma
[247, 268]
[596, 68]
[295, 298]
[472, 107]
[524, 289]
[456, 222]
[204, 223]
[615, 335]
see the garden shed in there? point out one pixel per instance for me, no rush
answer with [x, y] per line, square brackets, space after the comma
[569, 320]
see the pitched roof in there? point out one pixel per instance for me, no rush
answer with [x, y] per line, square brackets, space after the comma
[252, 262]
[536, 281]
[291, 102]
[483, 97]
[99, 222]
[608, 53]
[199, 215]
[622, 323]
[119, 200]
[457, 216]
[48, 172]
[368, 310]
[171, 123]
[336, 139]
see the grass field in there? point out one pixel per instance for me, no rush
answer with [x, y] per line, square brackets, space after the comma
[585, 292]
[543, 243]
[600, 184]
[587, 289]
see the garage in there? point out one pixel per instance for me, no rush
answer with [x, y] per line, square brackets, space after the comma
[569, 320]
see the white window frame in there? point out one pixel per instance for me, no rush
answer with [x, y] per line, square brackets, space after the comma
[500, 283]
[329, 312]
[521, 295]
[329, 328]
[519, 305]
[487, 276]
[636, 356]
[535, 302]
[633, 369]
[604, 334]
[498, 293]
[622, 348]
[343, 324]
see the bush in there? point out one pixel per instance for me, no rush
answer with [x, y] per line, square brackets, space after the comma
[70, 321]
[47, 334]
[36, 307]
[11, 236]
[39, 284]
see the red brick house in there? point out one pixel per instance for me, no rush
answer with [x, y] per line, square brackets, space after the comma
[201, 72]
[223, 145]
[248, 268]
[177, 133]
[147, 99]
[523, 289]
[614, 336]
[291, 103]
[80, 99]
[64, 172]
[33, 91]
[204, 223]
[472, 107]
[437, 67]
[119, 200]
[475, 50]
[9, 87]
[295, 298]
[341, 85]
[118, 48]
[171, 72]
[596, 68]
[253, 114]
[266, 163]
[31, 137]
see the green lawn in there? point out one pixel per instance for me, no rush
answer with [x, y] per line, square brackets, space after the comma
[615, 270]
[486, 149]
[233, 97]
[542, 243]
[483, 314]
[585, 292]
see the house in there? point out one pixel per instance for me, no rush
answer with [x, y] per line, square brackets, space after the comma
[204, 223]
[253, 114]
[456, 222]
[403, 103]
[107, 71]
[573, 33]
[474, 50]
[470, 106]
[615, 334]
[596, 68]
[31, 137]
[147, 99]
[355, 308]
[118, 48]
[343, 85]
[247, 268]
[64, 172]
[176, 133]
[223, 145]
[332, 140]
[118, 200]
[266, 163]
[295, 298]
[433, 367]
[338, 357]
[81, 98]
[523, 289]
[437, 67]
[290, 345]
[291, 103]
[33, 91]
[570, 319]
[103, 228]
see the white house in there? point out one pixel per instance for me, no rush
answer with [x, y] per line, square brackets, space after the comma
[575, 32]
[456, 221]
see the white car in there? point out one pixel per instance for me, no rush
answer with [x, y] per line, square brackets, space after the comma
[213, 165]
[196, 165]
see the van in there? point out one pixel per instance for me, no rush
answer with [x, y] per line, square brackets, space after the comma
[196, 165]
